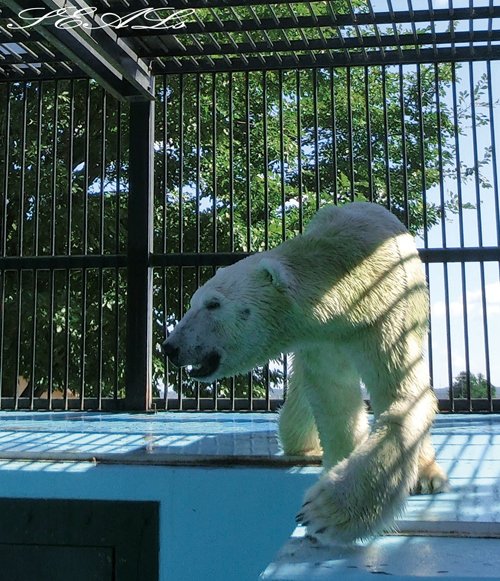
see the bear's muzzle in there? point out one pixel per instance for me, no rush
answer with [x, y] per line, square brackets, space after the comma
[200, 366]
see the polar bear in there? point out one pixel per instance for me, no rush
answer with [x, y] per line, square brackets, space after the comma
[349, 300]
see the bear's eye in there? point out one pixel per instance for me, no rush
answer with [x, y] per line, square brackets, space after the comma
[212, 305]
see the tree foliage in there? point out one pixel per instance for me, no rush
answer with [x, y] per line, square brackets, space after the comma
[478, 385]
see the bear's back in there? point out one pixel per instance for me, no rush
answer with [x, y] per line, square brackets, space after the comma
[354, 260]
[370, 222]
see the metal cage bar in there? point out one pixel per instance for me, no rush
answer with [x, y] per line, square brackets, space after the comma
[264, 113]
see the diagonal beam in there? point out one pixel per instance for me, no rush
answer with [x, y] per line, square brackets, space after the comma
[98, 52]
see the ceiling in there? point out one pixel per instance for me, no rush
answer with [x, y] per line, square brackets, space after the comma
[121, 43]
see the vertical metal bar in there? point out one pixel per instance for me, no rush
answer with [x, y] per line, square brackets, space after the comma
[181, 223]
[248, 201]
[404, 159]
[197, 200]
[164, 202]
[198, 169]
[102, 173]
[215, 196]
[299, 149]
[55, 122]
[38, 175]
[480, 229]
[440, 152]
[282, 155]
[86, 175]
[462, 268]
[22, 169]
[317, 181]
[458, 177]
[477, 189]
[181, 162]
[214, 164]
[85, 227]
[495, 178]
[285, 376]
[34, 320]
[477, 186]
[369, 150]
[83, 336]
[443, 231]
[102, 249]
[20, 243]
[3, 226]
[67, 329]
[494, 163]
[386, 139]
[265, 160]
[231, 162]
[421, 134]
[139, 274]
[350, 136]
[118, 177]
[6, 155]
[423, 177]
[52, 281]
[248, 164]
[18, 339]
[117, 249]
[36, 220]
[334, 136]
[231, 196]
[67, 332]
[265, 129]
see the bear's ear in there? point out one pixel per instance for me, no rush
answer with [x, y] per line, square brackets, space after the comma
[276, 272]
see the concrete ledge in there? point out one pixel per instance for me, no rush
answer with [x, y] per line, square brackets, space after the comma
[398, 556]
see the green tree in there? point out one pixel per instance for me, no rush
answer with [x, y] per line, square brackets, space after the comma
[478, 386]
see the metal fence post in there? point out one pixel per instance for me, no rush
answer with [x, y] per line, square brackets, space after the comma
[139, 273]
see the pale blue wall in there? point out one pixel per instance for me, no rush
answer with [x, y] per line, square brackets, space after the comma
[219, 524]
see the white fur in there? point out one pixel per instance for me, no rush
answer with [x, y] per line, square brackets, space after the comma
[349, 300]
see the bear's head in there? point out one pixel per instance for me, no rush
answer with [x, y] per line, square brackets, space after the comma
[237, 320]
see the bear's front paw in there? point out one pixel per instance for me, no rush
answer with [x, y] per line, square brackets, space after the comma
[330, 513]
[431, 479]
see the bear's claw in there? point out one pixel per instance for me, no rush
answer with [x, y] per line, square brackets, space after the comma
[325, 519]
[431, 480]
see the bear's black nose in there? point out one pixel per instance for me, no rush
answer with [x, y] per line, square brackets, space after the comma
[171, 352]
